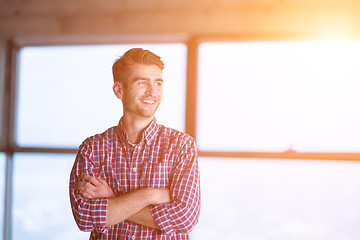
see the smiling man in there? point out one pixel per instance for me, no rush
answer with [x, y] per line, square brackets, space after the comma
[139, 179]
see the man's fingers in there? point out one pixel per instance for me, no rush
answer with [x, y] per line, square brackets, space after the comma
[85, 195]
[102, 181]
[85, 187]
[93, 187]
[82, 186]
[90, 179]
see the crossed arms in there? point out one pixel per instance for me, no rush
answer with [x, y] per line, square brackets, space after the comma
[133, 206]
[95, 205]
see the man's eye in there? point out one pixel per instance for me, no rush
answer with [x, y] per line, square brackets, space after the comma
[159, 84]
[142, 82]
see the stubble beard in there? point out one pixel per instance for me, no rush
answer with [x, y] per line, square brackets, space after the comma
[147, 112]
[143, 111]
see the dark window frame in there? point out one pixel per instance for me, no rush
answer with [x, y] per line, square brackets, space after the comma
[9, 99]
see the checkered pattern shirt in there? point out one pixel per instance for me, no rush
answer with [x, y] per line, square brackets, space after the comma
[164, 158]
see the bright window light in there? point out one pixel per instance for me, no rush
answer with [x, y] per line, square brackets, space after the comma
[276, 96]
[278, 199]
[41, 206]
[65, 92]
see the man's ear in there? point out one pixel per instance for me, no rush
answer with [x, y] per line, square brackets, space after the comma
[118, 90]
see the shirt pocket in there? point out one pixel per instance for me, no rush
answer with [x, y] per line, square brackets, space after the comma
[156, 173]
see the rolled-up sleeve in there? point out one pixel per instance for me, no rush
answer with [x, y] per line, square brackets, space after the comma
[182, 214]
[89, 214]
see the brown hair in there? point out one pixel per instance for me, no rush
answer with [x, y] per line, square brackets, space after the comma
[131, 57]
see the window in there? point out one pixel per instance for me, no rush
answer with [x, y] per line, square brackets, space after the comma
[41, 205]
[252, 97]
[278, 199]
[278, 96]
[270, 97]
[65, 92]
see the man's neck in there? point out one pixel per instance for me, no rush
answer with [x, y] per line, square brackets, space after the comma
[135, 127]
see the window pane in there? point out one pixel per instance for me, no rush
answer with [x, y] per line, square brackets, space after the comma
[273, 96]
[65, 93]
[2, 192]
[278, 199]
[41, 207]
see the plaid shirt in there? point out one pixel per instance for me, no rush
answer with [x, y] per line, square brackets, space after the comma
[164, 158]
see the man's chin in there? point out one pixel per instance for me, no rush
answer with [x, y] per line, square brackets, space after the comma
[147, 114]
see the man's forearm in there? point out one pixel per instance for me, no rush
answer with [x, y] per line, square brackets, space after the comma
[144, 218]
[133, 205]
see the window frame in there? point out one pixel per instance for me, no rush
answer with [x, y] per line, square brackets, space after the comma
[12, 48]
[191, 120]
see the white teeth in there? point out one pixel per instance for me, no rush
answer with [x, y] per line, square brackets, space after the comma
[149, 101]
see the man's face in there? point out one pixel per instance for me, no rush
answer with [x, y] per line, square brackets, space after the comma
[142, 92]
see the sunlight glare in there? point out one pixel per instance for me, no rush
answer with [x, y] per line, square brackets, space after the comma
[302, 94]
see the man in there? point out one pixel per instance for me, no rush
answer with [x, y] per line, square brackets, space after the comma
[137, 180]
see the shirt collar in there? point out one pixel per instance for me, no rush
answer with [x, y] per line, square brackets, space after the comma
[148, 134]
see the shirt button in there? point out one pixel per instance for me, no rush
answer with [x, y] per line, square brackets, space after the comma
[134, 169]
[133, 237]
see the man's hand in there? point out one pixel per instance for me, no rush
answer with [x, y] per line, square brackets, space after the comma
[93, 188]
[132, 206]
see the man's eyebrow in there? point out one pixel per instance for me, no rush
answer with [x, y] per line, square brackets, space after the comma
[140, 78]
[147, 79]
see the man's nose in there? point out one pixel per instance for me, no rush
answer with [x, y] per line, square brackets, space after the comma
[150, 88]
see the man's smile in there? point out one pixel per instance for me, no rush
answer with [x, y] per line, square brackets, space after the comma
[148, 101]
